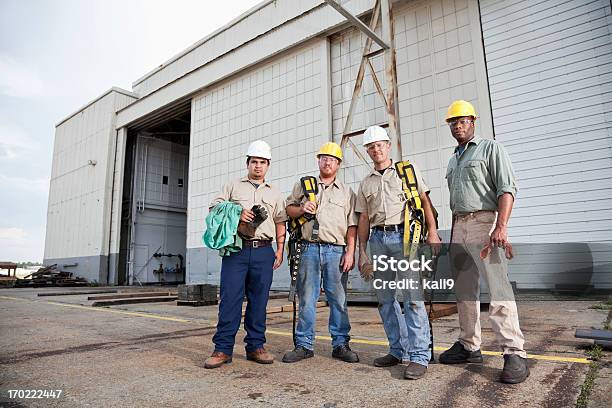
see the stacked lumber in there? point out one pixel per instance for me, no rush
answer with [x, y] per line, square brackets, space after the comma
[50, 276]
[197, 295]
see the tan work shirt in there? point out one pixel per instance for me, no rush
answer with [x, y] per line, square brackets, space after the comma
[335, 211]
[383, 198]
[242, 192]
[479, 175]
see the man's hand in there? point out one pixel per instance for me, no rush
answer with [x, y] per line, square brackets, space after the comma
[347, 262]
[278, 260]
[366, 270]
[433, 240]
[364, 259]
[499, 236]
[309, 207]
[247, 215]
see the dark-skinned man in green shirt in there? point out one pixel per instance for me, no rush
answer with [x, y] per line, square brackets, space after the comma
[482, 189]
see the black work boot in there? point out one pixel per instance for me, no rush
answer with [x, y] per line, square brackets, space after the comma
[345, 354]
[386, 361]
[457, 355]
[515, 369]
[297, 354]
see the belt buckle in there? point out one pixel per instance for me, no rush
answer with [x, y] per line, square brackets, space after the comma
[255, 244]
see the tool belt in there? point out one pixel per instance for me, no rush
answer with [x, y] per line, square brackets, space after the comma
[415, 228]
[310, 188]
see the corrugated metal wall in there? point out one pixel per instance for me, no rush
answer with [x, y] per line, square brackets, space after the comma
[78, 214]
[550, 74]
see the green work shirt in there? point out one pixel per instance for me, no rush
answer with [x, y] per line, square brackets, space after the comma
[478, 176]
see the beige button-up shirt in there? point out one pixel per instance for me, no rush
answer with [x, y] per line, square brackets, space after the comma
[242, 192]
[335, 211]
[383, 198]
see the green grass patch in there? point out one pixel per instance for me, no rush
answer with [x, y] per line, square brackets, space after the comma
[595, 353]
[607, 305]
[587, 386]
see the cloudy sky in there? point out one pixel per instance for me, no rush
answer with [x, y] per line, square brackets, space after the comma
[57, 55]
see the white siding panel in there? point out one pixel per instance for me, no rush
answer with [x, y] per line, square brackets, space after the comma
[78, 215]
[550, 75]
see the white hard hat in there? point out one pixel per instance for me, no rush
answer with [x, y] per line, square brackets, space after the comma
[259, 148]
[374, 134]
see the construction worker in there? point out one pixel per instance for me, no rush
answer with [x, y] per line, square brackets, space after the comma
[381, 203]
[249, 271]
[328, 251]
[482, 189]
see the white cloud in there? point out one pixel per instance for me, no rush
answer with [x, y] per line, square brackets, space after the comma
[29, 185]
[18, 79]
[13, 234]
[20, 244]
[15, 143]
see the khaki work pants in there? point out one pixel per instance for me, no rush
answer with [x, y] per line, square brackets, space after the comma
[470, 235]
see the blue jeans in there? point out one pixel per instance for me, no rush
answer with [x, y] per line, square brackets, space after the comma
[325, 259]
[408, 334]
[248, 272]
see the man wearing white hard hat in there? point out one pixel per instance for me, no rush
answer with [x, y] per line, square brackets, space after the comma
[249, 271]
[381, 204]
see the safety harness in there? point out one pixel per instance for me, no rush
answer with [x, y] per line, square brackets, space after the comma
[310, 189]
[415, 228]
[414, 216]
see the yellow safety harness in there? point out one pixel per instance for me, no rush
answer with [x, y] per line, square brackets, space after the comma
[310, 188]
[415, 228]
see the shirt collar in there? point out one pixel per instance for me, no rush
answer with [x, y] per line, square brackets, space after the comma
[335, 182]
[375, 172]
[475, 140]
[246, 179]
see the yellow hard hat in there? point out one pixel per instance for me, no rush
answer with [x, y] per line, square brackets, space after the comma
[460, 108]
[331, 149]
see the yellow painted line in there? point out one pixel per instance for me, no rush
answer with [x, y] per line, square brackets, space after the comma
[488, 353]
[99, 309]
[286, 333]
[123, 312]
[14, 298]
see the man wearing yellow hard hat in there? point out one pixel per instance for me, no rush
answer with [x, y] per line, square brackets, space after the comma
[482, 190]
[328, 250]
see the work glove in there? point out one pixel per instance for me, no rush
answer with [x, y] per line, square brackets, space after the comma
[247, 229]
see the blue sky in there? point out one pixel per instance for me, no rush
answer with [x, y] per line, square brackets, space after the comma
[55, 56]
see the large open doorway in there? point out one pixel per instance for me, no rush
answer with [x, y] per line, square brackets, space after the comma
[154, 207]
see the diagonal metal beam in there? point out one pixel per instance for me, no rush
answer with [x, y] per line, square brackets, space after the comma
[361, 72]
[358, 23]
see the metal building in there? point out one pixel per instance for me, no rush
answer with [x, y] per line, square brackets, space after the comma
[133, 172]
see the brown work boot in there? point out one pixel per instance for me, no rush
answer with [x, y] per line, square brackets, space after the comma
[260, 356]
[414, 371]
[217, 359]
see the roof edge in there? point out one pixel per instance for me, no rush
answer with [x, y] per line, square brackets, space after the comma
[210, 36]
[87, 105]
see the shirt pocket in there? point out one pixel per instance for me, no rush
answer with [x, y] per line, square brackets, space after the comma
[449, 176]
[242, 199]
[270, 205]
[473, 170]
[337, 209]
